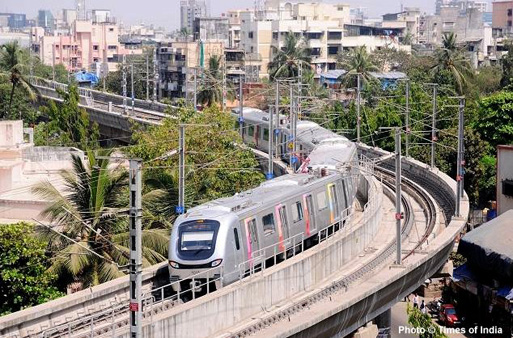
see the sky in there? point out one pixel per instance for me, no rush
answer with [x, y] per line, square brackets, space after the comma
[165, 13]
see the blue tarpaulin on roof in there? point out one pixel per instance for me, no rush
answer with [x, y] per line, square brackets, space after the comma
[506, 292]
[82, 77]
[462, 273]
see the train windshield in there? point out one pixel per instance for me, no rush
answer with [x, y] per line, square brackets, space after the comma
[197, 239]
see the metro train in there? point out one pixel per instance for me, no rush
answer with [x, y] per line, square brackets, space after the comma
[254, 225]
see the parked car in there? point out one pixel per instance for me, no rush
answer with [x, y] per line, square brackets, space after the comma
[448, 316]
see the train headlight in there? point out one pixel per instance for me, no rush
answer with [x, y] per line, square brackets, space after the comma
[174, 265]
[217, 262]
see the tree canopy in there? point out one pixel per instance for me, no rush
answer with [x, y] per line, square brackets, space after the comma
[24, 279]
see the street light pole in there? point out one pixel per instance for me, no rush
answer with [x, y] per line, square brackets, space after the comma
[241, 107]
[124, 83]
[147, 77]
[132, 85]
[180, 209]
[459, 167]
[270, 172]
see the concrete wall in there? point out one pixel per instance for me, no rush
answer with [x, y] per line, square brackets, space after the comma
[504, 172]
[63, 310]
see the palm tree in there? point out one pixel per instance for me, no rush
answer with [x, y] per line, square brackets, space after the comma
[88, 214]
[184, 34]
[357, 62]
[293, 55]
[11, 67]
[211, 89]
[452, 59]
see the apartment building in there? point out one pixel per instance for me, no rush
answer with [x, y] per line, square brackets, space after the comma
[234, 20]
[212, 29]
[502, 18]
[408, 20]
[89, 44]
[189, 11]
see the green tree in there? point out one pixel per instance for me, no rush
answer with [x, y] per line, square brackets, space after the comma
[452, 59]
[11, 67]
[356, 62]
[507, 65]
[24, 281]
[420, 320]
[210, 91]
[217, 164]
[495, 122]
[89, 213]
[390, 59]
[68, 125]
[114, 80]
[293, 55]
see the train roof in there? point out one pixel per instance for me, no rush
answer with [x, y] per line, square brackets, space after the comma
[257, 116]
[308, 131]
[277, 189]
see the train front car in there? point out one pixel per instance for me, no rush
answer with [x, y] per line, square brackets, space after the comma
[197, 250]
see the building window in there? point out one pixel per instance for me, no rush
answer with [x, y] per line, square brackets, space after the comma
[509, 23]
[112, 47]
[250, 35]
[510, 12]
[111, 29]
[95, 47]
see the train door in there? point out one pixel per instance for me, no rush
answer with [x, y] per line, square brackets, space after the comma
[283, 226]
[250, 228]
[333, 202]
[257, 135]
[238, 252]
[309, 212]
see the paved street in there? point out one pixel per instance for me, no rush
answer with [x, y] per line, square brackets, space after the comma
[400, 318]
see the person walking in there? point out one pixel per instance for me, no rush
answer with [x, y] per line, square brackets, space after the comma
[423, 307]
[415, 301]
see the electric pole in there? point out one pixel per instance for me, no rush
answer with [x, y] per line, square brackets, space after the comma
[224, 84]
[276, 132]
[155, 74]
[407, 122]
[195, 89]
[180, 209]
[135, 178]
[358, 103]
[132, 85]
[124, 83]
[459, 168]
[270, 172]
[433, 125]
[241, 107]
[147, 77]
[290, 145]
[398, 179]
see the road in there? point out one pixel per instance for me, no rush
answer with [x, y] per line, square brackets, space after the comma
[400, 319]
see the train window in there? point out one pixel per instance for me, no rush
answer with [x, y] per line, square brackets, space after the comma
[266, 134]
[268, 223]
[322, 203]
[236, 236]
[334, 197]
[251, 130]
[297, 212]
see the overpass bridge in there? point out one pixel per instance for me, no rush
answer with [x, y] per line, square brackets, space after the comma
[107, 109]
[330, 290]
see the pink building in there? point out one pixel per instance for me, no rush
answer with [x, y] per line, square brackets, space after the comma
[89, 46]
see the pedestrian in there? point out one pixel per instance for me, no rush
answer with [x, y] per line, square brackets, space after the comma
[415, 301]
[423, 307]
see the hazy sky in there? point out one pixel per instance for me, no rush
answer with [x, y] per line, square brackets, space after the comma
[166, 12]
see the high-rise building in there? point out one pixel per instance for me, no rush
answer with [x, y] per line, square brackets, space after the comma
[81, 9]
[46, 20]
[189, 11]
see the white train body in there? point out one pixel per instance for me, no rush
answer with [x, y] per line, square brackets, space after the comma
[255, 225]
